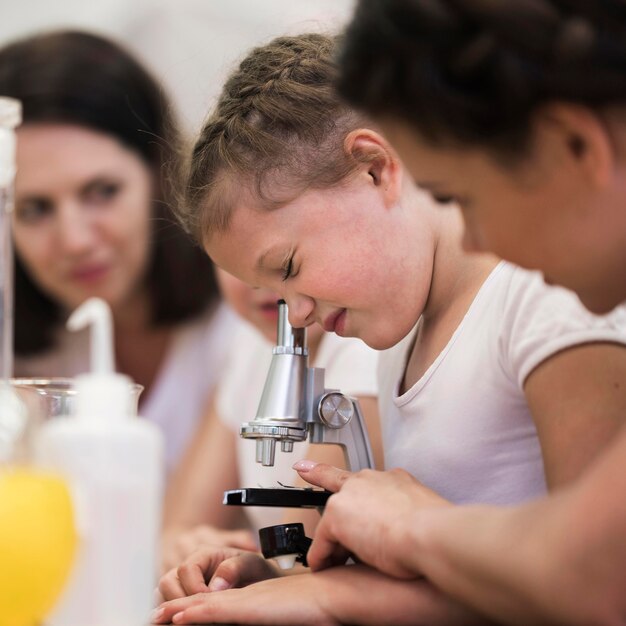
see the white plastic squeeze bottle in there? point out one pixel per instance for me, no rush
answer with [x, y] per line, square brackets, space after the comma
[113, 462]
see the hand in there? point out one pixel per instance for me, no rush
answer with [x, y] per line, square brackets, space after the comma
[387, 500]
[179, 544]
[214, 568]
[343, 595]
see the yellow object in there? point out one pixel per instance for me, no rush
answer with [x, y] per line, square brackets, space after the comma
[37, 544]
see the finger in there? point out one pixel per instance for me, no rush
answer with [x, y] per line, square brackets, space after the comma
[215, 608]
[322, 475]
[227, 575]
[325, 553]
[200, 566]
[170, 587]
[164, 613]
[239, 571]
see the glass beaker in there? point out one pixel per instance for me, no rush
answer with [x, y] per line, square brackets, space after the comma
[47, 398]
[10, 118]
[52, 397]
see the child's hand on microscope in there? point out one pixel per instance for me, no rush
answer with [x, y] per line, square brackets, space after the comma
[392, 502]
[215, 568]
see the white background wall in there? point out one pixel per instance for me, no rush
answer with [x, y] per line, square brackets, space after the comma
[190, 44]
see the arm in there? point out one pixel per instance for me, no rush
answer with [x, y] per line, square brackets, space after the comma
[557, 560]
[343, 595]
[578, 401]
[209, 467]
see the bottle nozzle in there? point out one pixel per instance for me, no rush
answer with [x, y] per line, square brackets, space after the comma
[101, 392]
[97, 314]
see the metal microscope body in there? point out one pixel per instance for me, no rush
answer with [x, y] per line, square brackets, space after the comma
[296, 406]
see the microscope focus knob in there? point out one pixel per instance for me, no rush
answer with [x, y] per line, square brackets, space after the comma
[335, 409]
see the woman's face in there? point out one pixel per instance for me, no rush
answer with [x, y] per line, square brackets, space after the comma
[82, 213]
[342, 257]
[543, 215]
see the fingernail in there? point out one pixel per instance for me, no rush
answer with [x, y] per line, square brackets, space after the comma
[219, 584]
[304, 466]
[178, 617]
[157, 614]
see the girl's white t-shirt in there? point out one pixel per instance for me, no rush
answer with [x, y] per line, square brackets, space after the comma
[464, 428]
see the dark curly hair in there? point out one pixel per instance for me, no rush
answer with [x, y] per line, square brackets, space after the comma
[80, 78]
[472, 72]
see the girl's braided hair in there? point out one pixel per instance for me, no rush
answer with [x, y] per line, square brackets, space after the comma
[472, 72]
[278, 123]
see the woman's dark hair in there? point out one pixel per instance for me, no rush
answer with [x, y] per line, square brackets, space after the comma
[473, 72]
[83, 79]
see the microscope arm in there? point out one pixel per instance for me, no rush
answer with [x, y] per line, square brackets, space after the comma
[336, 418]
[352, 437]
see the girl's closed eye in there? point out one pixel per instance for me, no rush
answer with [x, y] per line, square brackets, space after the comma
[287, 268]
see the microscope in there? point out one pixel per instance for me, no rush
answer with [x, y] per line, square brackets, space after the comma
[296, 406]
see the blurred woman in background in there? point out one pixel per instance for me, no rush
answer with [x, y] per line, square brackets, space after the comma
[96, 165]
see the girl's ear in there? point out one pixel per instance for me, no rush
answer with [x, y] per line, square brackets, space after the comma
[379, 163]
[585, 138]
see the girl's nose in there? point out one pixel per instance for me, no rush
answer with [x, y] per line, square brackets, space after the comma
[300, 310]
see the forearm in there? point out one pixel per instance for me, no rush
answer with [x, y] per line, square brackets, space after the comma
[388, 600]
[484, 556]
[561, 559]
[558, 560]
[194, 495]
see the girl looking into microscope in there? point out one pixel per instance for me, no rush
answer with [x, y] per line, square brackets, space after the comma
[487, 372]
[220, 459]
